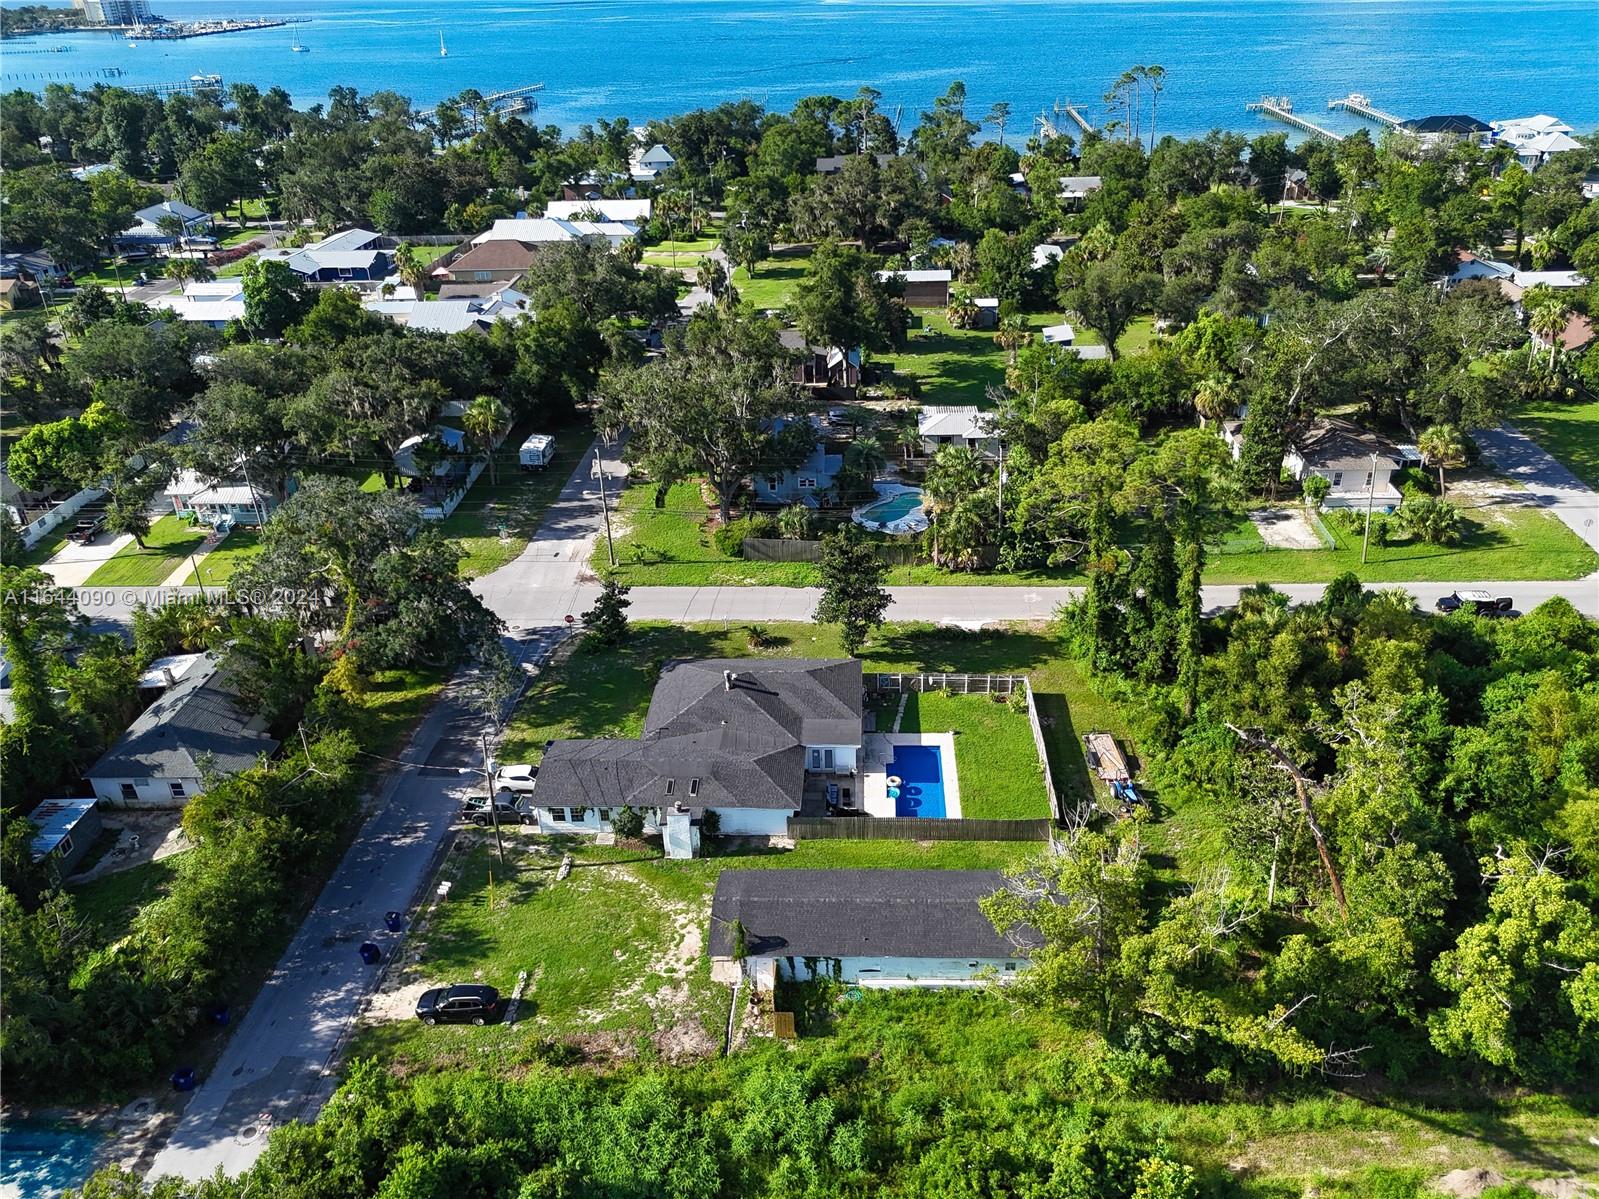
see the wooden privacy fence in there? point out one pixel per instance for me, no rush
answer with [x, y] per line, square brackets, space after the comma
[914, 828]
[958, 684]
[789, 549]
[1056, 805]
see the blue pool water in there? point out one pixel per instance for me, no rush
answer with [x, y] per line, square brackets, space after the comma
[922, 791]
[893, 508]
[39, 1158]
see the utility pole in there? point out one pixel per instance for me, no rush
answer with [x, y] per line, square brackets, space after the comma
[197, 578]
[605, 506]
[1371, 486]
[494, 812]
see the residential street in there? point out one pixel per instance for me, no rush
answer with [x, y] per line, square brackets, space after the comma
[276, 1064]
[1522, 459]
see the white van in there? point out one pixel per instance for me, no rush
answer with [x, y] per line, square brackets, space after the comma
[536, 452]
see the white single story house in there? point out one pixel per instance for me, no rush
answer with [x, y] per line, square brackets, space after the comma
[740, 738]
[1355, 462]
[1074, 189]
[940, 425]
[213, 304]
[67, 829]
[543, 230]
[455, 315]
[632, 212]
[233, 503]
[1045, 254]
[871, 928]
[193, 730]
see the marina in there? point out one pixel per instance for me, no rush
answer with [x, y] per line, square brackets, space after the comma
[178, 31]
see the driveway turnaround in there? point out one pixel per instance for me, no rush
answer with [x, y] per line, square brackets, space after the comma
[1555, 488]
[280, 1061]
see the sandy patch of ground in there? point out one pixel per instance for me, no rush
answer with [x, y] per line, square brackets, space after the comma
[1286, 528]
[386, 1006]
[141, 837]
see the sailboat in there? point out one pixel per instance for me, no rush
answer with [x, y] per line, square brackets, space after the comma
[297, 48]
[443, 53]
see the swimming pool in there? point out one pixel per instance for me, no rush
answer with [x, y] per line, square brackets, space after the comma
[898, 511]
[894, 507]
[920, 769]
[43, 1158]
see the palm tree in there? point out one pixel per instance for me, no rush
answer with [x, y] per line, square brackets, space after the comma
[408, 265]
[955, 474]
[190, 270]
[962, 309]
[484, 418]
[1381, 257]
[1012, 334]
[1542, 248]
[1214, 398]
[712, 277]
[1547, 321]
[1441, 445]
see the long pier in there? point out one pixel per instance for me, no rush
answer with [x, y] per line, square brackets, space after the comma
[511, 100]
[1361, 106]
[1281, 108]
[1048, 124]
[174, 31]
[192, 86]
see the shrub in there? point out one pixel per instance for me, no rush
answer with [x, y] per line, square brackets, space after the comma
[627, 823]
[1316, 488]
[234, 253]
[795, 522]
[729, 539]
[710, 824]
[1437, 522]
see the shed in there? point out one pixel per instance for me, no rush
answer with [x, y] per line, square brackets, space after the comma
[922, 289]
[67, 828]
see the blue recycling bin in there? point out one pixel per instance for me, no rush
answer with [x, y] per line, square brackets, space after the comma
[183, 1078]
[393, 921]
[370, 953]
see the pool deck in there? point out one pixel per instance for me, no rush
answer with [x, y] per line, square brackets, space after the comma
[878, 750]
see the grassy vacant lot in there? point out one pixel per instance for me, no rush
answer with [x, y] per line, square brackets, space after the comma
[111, 901]
[392, 704]
[1501, 543]
[516, 503]
[773, 280]
[167, 544]
[946, 365]
[1569, 431]
[222, 563]
[1000, 776]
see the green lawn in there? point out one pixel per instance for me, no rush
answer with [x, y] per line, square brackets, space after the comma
[1000, 776]
[772, 282]
[220, 564]
[1567, 429]
[1500, 544]
[516, 503]
[428, 255]
[384, 714]
[169, 541]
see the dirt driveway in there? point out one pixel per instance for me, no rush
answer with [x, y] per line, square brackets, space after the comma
[1286, 528]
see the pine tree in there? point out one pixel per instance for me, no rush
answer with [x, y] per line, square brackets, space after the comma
[605, 624]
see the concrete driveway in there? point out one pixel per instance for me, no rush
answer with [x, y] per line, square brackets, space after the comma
[74, 563]
[1555, 488]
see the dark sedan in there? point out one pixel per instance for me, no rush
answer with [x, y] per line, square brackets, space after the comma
[463, 1004]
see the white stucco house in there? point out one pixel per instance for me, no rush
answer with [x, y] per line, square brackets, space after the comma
[740, 738]
[939, 425]
[195, 729]
[871, 928]
[1535, 138]
[1355, 462]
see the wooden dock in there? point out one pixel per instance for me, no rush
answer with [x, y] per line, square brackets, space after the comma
[1281, 108]
[1049, 124]
[1361, 106]
[512, 100]
[193, 85]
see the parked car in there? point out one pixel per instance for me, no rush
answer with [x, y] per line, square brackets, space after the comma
[516, 778]
[507, 806]
[86, 530]
[466, 1003]
[1480, 602]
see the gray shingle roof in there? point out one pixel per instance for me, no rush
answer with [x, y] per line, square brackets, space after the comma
[719, 741]
[857, 913]
[1334, 442]
[814, 701]
[194, 723]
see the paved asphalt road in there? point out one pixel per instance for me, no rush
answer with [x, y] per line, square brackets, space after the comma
[1555, 488]
[276, 1066]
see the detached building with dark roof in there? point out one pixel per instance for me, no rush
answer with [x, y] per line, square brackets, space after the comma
[737, 737]
[194, 730]
[875, 928]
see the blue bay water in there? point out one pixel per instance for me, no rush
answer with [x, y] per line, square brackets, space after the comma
[644, 58]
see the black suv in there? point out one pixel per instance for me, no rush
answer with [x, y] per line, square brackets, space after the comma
[463, 1004]
[1480, 602]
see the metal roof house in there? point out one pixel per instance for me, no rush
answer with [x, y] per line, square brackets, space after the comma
[941, 425]
[194, 729]
[738, 737]
[873, 928]
[67, 828]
